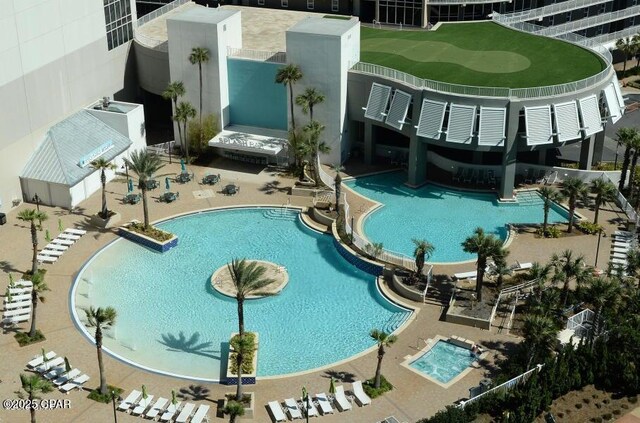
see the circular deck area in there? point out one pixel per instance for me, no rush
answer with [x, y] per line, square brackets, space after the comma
[222, 281]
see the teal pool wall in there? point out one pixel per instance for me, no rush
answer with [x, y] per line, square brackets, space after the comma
[255, 99]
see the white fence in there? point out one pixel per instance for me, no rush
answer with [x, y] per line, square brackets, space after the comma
[258, 55]
[624, 204]
[504, 387]
[324, 176]
[161, 11]
[552, 9]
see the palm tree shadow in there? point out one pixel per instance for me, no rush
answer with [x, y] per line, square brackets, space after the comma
[7, 267]
[192, 345]
[195, 393]
[340, 376]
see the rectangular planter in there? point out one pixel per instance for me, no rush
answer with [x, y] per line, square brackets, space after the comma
[247, 379]
[145, 241]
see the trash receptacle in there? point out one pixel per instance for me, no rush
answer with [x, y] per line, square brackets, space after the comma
[3, 218]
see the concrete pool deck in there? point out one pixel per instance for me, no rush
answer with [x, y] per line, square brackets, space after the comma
[406, 401]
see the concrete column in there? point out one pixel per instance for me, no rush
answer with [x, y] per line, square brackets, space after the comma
[598, 148]
[369, 145]
[510, 153]
[417, 165]
[586, 153]
[377, 13]
[425, 14]
[542, 156]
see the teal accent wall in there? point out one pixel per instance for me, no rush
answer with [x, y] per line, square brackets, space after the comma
[254, 97]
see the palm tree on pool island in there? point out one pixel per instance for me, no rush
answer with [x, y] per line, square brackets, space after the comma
[422, 253]
[486, 247]
[101, 318]
[383, 339]
[549, 195]
[145, 165]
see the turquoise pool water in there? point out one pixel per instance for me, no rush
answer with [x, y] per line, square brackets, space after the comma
[443, 361]
[444, 217]
[171, 320]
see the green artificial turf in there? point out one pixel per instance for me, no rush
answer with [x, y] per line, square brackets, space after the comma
[479, 54]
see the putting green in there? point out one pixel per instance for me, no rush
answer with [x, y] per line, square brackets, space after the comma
[436, 51]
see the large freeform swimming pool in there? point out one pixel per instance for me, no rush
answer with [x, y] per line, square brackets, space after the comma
[171, 320]
[444, 217]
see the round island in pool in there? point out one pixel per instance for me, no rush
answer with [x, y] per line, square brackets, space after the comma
[170, 320]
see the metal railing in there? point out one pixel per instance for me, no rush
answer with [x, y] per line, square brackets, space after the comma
[591, 21]
[324, 176]
[151, 42]
[160, 11]
[259, 55]
[585, 315]
[443, 2]
[613, 36]
[623, 203]
[552, 9]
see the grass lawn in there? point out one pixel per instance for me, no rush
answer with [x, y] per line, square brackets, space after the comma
[479, 54]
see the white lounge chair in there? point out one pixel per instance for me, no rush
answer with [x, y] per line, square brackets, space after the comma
[201, 414]
[75, 384]
[309, 408]
[46, 259]
[523, 266]
[12, 320]
[69, 236]
[53, 246]
[38, 359]
[341, 399]
[359, 393]
[49, 364]
[23, 284]
[142, 405]
[466, 275]
[185, 413]
[130, 400]
[619, 255]
[20, 304]
[17, 312]
[74, 231]
[55, 372]
[53, 253]
[156, 408]
[17, 298]
[292, 408]
[620, 249]
[66, 377]
[623, 233]
[62, 241]
[169, 412]
[19, 291]
[324, 403]
[276, 412]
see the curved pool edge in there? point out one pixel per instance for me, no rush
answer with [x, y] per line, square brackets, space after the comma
[91, 339]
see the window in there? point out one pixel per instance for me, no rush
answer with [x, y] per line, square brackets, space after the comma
[284, 3]
[310, 4]
[335, 5]
[551, 20]
[568, 17]
[603, 8]
[260, 2]
[119, 27]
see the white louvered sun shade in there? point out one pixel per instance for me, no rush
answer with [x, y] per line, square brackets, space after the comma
[591, 119]
[398, 109]
[377, 104]
[462, 120]
[567, 121]
[611, 97]
[492, 126]
[431, 119]
[616, 87]
[538, 125]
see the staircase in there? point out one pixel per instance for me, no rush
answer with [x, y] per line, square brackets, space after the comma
[281, 214]
[527, 198]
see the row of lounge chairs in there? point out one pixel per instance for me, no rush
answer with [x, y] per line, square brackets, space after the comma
[516, 267]
[56, 370]
[56, 248]
[623, 242]
[478, 176]
[164, 409]
[17, 303]
[299, 409]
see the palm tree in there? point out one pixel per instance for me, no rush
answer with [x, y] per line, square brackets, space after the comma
[633, 263]
[549, 195]
[635, 144]
[38, 288]
[102, 165]
[625, 136]
[539, 335]
[199, 55]
[33, 385]
[384, 340]
[174, 90]
[422, 253]
[233, 409]
[288, 76]
[573, 189]
[604, 191]
[485, 246]
[184, 112]
[567, 267]
[636, 43]
[308, 99]
[500, 269]
[313, 130]
[31, 215]
[300, 148]
[337, 184]
[626, 47]
[101, 318]
[145, 165]
[602, 292]
[540, 272]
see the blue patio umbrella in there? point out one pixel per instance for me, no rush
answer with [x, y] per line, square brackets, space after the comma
[130, 185]
[166, 183]
[183, 167]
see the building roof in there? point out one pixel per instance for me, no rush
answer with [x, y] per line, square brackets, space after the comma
[67, 143]
[324, 26]
[208, 15]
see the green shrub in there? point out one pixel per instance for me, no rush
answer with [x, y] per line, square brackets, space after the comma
[607, 416]
[247, 360]
[552, 232]
[151, 232]
[589, 227]
[24, 339]
[617, 412]
[376, 392]
[107, 398]
[578, 406]
[211, 129]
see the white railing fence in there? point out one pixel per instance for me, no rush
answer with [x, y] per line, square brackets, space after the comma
[585, 315]
[504, 387]
[324, 176]
[159, 12]
[624, 204]
[259, 55]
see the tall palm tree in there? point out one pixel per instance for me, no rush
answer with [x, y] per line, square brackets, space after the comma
[539, 335]
[485, 246]
[574, 189]
[234, 409]
[422, 253]
[626, 47]
[31, 215]
[184, 112]
[308, 99]
[540, 272]
[337, 181]
[568, 267]
[101, 318]
[248, 279]
[145, 165]
[602, 292]
[102, 165]
[500, 269]
[548, 195]
[198, 56]
[38, 288]
[635, 144]
[33, 386]
[313, 130]
[625, 136]
[604, 191]
[174, 90]
[289, 75]
[383, 339]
